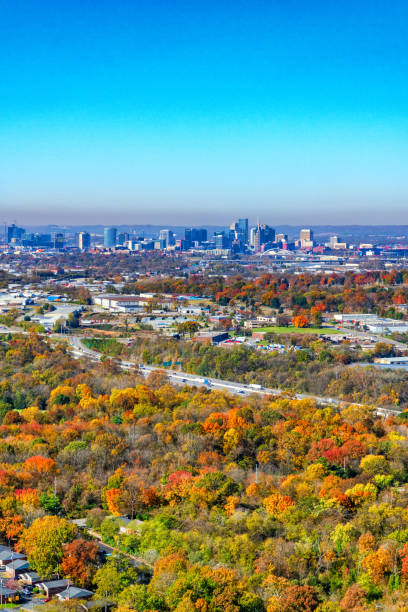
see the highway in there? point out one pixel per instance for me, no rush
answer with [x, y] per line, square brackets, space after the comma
[183, 378]
[235, 388]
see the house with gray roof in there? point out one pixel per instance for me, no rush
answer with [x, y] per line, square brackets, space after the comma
[52, 587]
[8, 555]
[16, 567]
[73, 592]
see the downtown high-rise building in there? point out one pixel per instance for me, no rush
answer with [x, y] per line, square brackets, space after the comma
[109, 237]
[166, 237]
[59, 241]
[193, 235]
[84, 241]
[281, 238]
[14, 233]
[306, 238]
[260, 236]
[221, 241]
[239, 231]
[123, 238]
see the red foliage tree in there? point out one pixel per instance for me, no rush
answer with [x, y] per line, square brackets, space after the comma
[299, 599]
[80, 561]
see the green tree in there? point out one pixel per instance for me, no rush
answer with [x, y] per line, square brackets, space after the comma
[141, 598]
[59, 326]
[113, 577]
[50, 503]
[188, 327]
[73, 320]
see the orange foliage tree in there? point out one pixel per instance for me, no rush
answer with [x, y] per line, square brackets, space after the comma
[300, 321]
[80, 561]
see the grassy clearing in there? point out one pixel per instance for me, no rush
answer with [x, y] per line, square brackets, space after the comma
[298, 330]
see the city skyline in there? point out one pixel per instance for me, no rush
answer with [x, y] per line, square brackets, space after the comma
[191, 111]
[240, 238]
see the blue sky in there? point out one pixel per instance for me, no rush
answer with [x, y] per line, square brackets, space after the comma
[196, 112]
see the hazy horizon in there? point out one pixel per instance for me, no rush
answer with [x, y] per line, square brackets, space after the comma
[197, 113]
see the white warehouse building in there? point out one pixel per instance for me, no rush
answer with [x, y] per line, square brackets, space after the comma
[376, 325]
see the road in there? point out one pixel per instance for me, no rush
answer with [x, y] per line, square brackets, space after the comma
[183, 378]
[235, 388]
[361, 335]
[138, 562]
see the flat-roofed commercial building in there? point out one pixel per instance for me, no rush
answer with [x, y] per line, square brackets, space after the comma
[126, 303]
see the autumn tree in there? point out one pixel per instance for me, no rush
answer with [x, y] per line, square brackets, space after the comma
[188, 327]
[300, 321]
[299, 599]
[80, 561]
[43, 542]
[354, 598]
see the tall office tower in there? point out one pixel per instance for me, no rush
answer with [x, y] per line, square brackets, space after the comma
[194, 235]
[239, 230]
[166, 236]
[306, 238]
[109, 237]
[257, 240]
[188, 237]
[123, 238]
[199, 235]
[84, 241]
[333, 242]
[221, 241]
[306, 234]
[252, 233]
[243, 230]
[232, 234]
[14, 233]
[59, 241]
[268, 234]
[281, 238]
[262, 234]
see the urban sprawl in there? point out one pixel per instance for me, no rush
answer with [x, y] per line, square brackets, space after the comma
[197, 420]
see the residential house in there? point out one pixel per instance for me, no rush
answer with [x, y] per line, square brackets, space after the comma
[53, 587]
[73, 592]
[30, 578]
[16, 567]
[8, 595]
[8, 555]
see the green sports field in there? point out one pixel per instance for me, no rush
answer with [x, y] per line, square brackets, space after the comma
[298, 330]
